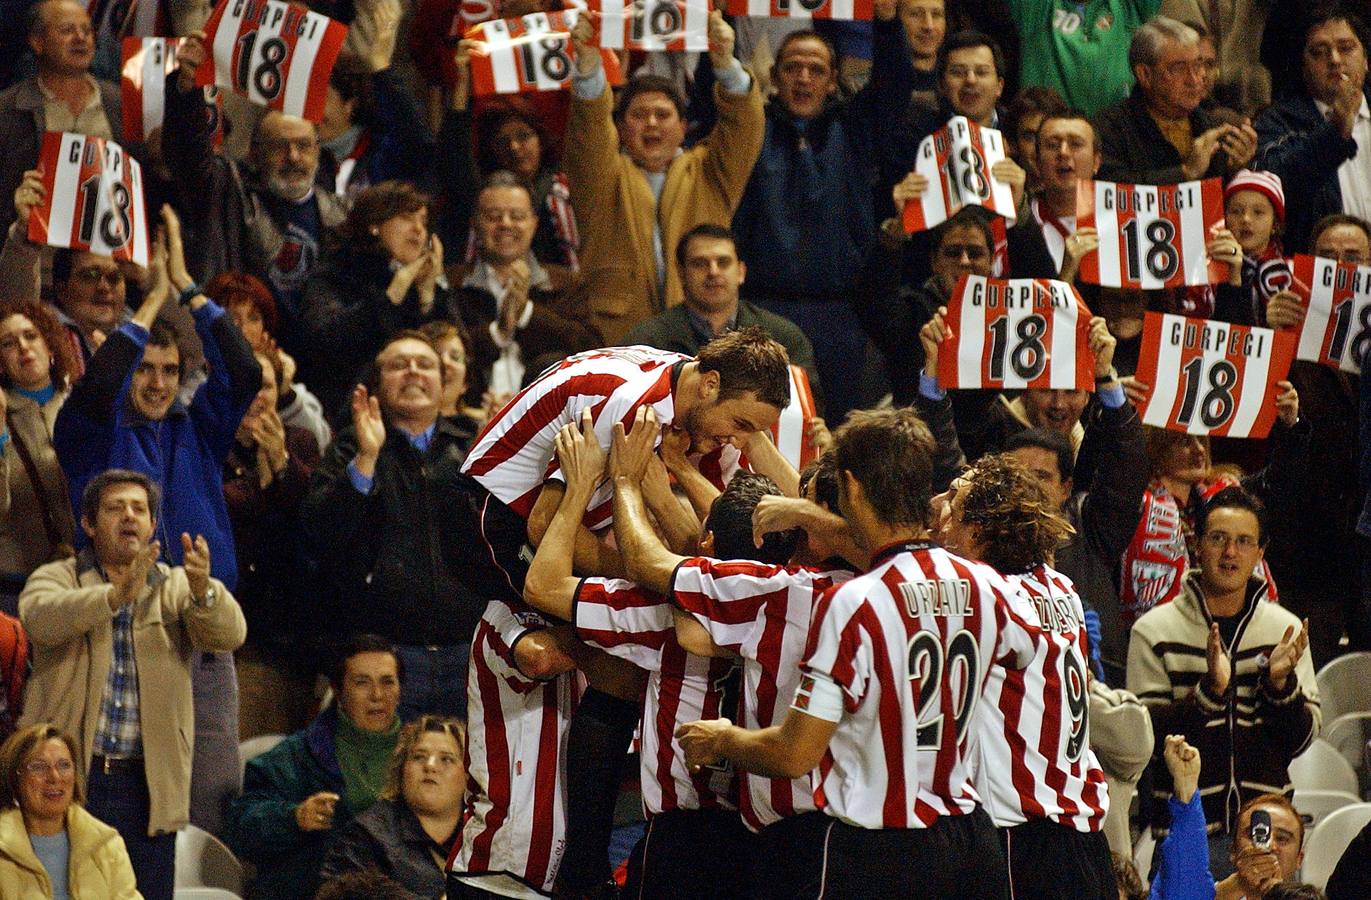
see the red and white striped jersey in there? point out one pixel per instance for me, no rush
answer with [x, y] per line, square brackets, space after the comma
[637, 625]
[1032, 755]
[514, 815]
[909, 646]
[761, 613]
[514, 456]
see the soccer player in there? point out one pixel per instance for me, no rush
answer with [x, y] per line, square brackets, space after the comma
[1030, 741]
[759, 611]
[736, 386]
[695, 842]
[896, 662]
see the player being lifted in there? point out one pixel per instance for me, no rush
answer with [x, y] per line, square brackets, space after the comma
[896, 662]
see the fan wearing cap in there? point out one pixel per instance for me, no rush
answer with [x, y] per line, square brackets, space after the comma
[1258, 290]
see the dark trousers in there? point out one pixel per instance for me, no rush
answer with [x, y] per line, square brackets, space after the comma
[435, 681]
[957, 857]
[786, 857]
[1048, 861]
[119, 798]
[496, 553]
[691, 853]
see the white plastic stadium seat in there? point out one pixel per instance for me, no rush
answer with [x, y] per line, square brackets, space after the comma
[1143, 850]
[256, 746]
[1327, 842]
[204, 861]
[1342, 685]
[1348, 735]
[1322, 768]
[1314, 805]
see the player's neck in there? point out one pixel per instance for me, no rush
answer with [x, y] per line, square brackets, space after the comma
[878, 536]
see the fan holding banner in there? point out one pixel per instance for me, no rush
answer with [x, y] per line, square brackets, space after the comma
[962, 164]
[92, 198]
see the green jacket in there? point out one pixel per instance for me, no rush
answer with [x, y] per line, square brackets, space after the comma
[262, 821]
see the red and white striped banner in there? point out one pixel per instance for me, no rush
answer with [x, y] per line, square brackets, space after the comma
[1015, 334]
[278, 55]
[652, 25]
[529, 54]
[1337, 316]
[93, 198]
[1211, 377]
[803, 9]
[148, 63]
[956, 159]
[791, 431]
[1152, 236]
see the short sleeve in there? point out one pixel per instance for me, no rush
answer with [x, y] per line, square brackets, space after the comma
[839, 645]
[624, 620]
[728, 598]
[507, 625]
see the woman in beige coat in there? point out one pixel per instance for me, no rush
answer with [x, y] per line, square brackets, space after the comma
[50, 847]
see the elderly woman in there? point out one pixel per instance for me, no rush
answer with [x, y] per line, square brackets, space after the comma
[384, 275]
[408, 834]
[49, 845]
[37, 524]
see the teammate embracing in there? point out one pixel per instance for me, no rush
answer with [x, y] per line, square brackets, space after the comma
[896, 663]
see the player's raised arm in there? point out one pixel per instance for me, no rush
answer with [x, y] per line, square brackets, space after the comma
[550, 585]
[646, 559]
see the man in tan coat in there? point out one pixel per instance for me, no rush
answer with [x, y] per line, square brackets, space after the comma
[113, 632]
[634, 206]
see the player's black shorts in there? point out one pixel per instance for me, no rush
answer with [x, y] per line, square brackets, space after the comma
[1048, 861]
[786, 859]
[495, 556]
[689, 854]
[957, 857]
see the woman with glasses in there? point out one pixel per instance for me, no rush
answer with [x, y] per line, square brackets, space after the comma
[383, 275]
[35, 371]
[408, 833]
[50, 846]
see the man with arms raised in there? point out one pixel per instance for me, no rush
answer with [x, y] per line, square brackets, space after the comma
[896, 662]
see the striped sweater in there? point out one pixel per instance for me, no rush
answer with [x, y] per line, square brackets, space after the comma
[1246, 739]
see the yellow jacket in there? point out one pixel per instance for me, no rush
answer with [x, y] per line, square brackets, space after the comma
[617, 216]
[65, 609]
[99, 867]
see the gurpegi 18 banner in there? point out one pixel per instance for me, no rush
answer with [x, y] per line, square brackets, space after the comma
[278, 55]
[1152, 236]
[93, 198]
[956, 159]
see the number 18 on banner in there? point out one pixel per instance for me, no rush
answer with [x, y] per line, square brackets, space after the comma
[1016, 333]
[278, 55]
[1212, 377]
[1337, 322]
[94, 198]
[1151, 236]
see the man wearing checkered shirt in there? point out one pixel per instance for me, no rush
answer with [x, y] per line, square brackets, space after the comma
[113, 633]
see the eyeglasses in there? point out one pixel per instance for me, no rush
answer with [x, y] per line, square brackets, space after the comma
[441, 760]
[403, 364]
[1218, 540]
[40, 768]
[93, 274]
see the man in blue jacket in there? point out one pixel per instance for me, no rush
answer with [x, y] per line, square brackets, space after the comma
[125, 414]
[1318, 135]
[807, 220]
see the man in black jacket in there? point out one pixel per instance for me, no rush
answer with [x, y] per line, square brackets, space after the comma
[1160, 134]
[377, 514]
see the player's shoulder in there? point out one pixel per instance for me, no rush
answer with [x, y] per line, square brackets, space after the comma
[616, 592]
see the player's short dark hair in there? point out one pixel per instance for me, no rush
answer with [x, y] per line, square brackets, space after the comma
[649, 84]
[364, 884]
[1052, 441]
[805, 34]
[965, 40]
[730, 521]
[355, 645]
[890, 453]
[966, 217]
[1233, 497]
[90, 494]
[1315, 233]
[1015, 522]
[704, 230]
[748, 360]
[824, 473]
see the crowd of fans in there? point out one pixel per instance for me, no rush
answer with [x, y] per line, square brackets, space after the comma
[346, 462]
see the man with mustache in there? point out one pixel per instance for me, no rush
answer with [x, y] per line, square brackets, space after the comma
[265, 219]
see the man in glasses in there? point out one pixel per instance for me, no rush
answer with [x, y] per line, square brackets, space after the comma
[1160, 134]
[1227, 670]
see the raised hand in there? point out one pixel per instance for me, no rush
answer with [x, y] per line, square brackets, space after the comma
[1284, 310]
[1009, 172]
[581, 457]
[1220, 666]
[1285, 656]
[721, 40]
[1183, 762]
[28, 196]
[460, 97]
[158, 287]
[931, 335]
[911, 187]
[1102, 344]
[176, 251]
[629, 453]
[190, 56]
[370, 429]
[583, 44]
[129, 586]
[1287, 404]
[195, 560]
